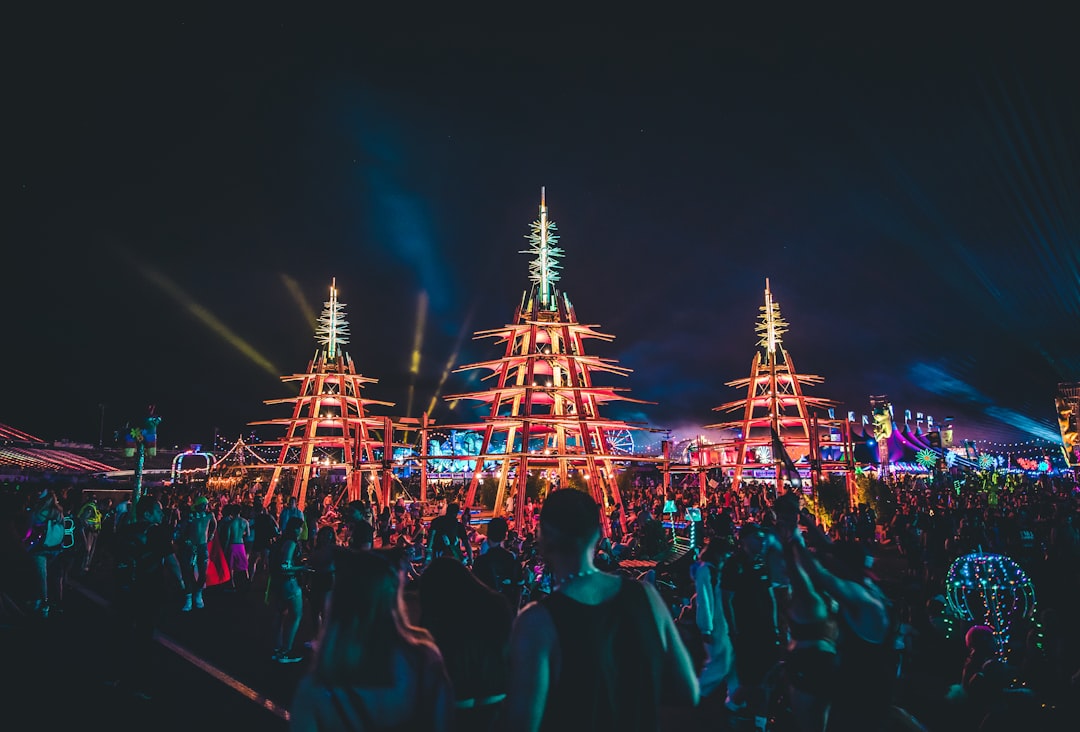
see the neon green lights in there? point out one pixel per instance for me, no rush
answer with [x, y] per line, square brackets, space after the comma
[543, 270]
[332, 330]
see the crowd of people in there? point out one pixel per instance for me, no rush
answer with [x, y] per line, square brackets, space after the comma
[778, 616]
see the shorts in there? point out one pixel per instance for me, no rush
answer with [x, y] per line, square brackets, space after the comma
[238, 557]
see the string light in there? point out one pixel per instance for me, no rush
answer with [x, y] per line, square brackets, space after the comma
[992, 590]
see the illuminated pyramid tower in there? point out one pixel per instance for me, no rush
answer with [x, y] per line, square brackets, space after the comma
[329, 429]
[780, 426]
[543, 411]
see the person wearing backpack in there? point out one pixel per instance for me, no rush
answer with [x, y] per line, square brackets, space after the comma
[43, 546]
[146, 566]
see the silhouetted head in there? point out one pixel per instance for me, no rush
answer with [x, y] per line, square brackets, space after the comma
[496, 530]
[752, 539]
[569, 521]
[980, 639]
[365, 620]
[443, 581]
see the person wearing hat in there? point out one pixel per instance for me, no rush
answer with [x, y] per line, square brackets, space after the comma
[196, 533]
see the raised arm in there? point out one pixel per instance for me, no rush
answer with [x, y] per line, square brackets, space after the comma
[867, 613]
[705, 601]
[807, 605]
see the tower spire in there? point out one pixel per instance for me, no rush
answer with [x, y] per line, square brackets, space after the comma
[332, 330]
[771, 325]
[544, 269]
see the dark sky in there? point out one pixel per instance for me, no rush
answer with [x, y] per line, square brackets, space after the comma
[912, 195]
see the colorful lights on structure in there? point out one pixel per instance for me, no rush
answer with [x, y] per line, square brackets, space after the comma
[195, 451]
[1067, 406]
[329, 415]
[781, 427]
[543, 271]
[926, 458]
[332, 330]
[992, 590]
[543, 412]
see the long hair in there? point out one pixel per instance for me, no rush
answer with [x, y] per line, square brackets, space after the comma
[366, 623]
[471, 625]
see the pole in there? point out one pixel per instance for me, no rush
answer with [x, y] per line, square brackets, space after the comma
[667, 466]
[423, 458]
[140, 459]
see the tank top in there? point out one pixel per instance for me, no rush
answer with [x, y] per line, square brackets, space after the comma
[611, 670]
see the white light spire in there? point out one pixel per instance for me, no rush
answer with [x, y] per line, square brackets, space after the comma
[771, 326]
[543, 270]
[332, 330]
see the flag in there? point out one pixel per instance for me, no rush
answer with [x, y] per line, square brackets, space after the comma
[790, 471]
[217, 566]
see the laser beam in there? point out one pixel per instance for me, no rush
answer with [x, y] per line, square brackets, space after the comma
[293, 288]
[207, 318]
[418, 342]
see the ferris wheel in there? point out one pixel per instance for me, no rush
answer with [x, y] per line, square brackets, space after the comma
[620, 441]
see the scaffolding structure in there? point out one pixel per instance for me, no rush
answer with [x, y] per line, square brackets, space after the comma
[329, 427]
[782, 432]
[544, 409]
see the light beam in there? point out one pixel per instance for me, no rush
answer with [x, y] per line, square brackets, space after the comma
[207, 318]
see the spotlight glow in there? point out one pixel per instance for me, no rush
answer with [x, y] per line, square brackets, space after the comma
[207, 318]
[293, 288]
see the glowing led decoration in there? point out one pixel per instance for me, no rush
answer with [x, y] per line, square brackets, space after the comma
[195, 451]
[621, 442]
[986, 462]
[543, 406]
[780, 426]
[993, 590]
[771, 325]
[329, 418]
[950, 459]
[332, 330]
[544, 269]
[926, 458]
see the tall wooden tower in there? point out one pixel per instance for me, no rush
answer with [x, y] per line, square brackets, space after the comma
[329, 428]
[543, 411]
[780, 426]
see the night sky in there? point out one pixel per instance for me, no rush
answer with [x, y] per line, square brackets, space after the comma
[178, 199]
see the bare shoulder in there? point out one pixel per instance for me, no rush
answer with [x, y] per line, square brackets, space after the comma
[533, 622]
